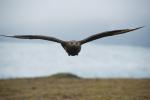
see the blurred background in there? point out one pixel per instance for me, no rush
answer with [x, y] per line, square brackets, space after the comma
[123, 56]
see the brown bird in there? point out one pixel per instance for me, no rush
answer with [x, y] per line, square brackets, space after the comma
[73, 47]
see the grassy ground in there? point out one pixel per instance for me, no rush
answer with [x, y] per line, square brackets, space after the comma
[67, 88]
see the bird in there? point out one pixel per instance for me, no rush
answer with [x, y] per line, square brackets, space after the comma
[73, 47]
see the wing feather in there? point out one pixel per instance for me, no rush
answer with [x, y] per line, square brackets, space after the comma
[36, 37]
[105, 34]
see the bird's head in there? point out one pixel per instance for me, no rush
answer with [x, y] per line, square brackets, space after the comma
[73, 43]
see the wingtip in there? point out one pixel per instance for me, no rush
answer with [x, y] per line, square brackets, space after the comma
[136, 28]
[139, 28]
[5, 36]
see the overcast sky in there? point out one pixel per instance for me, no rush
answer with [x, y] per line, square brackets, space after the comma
[75, 19]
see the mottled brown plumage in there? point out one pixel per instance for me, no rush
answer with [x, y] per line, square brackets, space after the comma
[73, 47]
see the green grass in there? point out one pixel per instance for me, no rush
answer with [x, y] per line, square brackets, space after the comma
[68, 88]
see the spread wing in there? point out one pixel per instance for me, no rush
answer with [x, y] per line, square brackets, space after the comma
[36, 37]
[107, 33]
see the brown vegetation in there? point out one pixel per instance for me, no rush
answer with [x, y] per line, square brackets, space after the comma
[69, 88]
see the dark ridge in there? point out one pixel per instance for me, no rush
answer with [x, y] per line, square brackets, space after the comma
[65, 75]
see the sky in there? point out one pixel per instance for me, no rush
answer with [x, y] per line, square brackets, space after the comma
[126, 55]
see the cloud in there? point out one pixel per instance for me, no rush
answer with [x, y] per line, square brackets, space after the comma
[76, 19]
[33, 59]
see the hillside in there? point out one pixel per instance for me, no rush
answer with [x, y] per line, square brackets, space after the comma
[71, 87]
[65, 75]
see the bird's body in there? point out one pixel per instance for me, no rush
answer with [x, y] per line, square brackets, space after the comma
[74, 47]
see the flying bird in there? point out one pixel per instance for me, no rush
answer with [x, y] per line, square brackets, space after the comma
[73, 47]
